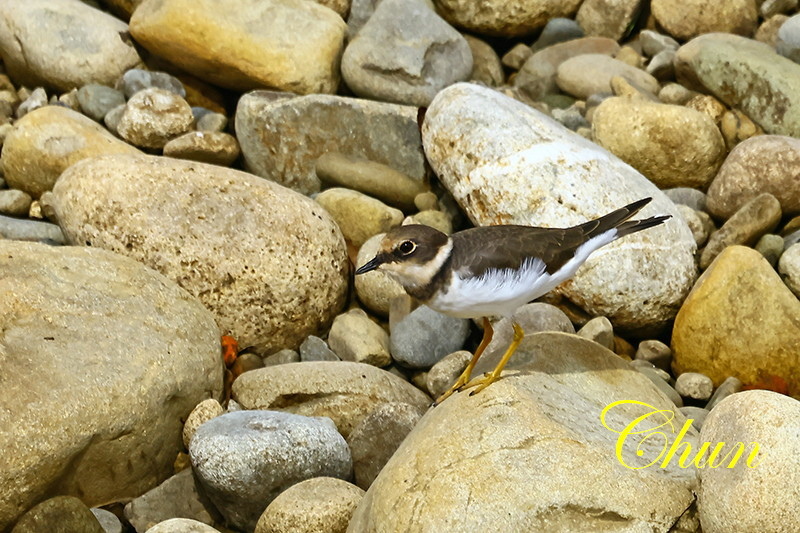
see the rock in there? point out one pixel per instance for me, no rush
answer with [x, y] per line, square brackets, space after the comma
[746, 75]
[699, 223]
[137, 79]
[660, 379]
[154, 116]
[14, 203]
[345, 392]
[645, 134]
[516, 56]
[316, 349]
[63, 44]
[311, 506]
[290, 45]
[654, 43]
[358, 216]
[207, 120]
[282, 249]
[30, 230]
[688, 19]
[354, 337]
[405, 53]
[375, 179]
[688, 197]
[47, 141]
[177, 496]
[599, 330]
[243, 460]
[767, 33]
[607, 19]
[714, 331]
[755, 218]
[216, 148]
[246, 362]
[788, 41]
[97, 100]
[282, 357]
[422, 338]
[202, 413]
[766, 163]
[62, 513]
[696, 414]
[108, 520]
[737, 127]
[443, 374]
[789, 268]
[770, 8]
[695, 386]
[587, 74]
[760, 493]
[676, 94]
[375, 289]
[655, 352]
[90, 334]
[375, 439]
[435, 219]
[502, 17]
[538, 426]
[181, 525]
[558, 30]
[731, 385]
[479, 140]
[771, 247]
[282, 138]
[486, 66]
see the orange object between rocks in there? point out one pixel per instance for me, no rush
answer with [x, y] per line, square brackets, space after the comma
[230, 350]
[771, 382]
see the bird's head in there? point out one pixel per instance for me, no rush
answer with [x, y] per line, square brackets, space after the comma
[411, 254]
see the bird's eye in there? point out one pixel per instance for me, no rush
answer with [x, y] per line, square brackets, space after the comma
[406, 247]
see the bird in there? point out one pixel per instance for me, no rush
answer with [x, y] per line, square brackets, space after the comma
[491, 271]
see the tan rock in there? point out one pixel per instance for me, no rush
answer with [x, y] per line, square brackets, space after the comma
[268, 262]
[739, 320]
[506, 18]
[646, 134]
[486, 66]
[153, 116]
[46, 141]
[358, 215]
[202, 413]
[289, 45]
[607, 18]
[587, 74]
[685, 19]
[214, 147]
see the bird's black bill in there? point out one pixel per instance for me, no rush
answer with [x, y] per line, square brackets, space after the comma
[369, 266]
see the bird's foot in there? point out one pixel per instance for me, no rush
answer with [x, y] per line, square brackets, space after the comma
[481, 383]
[457, 386]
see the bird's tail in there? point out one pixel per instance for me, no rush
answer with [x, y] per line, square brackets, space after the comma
[619, 219]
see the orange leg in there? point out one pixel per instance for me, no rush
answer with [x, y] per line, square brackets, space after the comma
[465, 376]
[494, 375]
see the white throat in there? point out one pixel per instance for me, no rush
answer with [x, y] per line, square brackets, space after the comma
[419, 274]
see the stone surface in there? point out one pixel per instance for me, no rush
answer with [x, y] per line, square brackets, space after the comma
[47, 141]
[221, 223]
[587, 74]
[63, 44]
[529, 453]
[699, 223]
[763, 497]
[788, 39]
[686, 19]
[375, 289]
[505, 18]
[182, 525]
[607, 18]
[766, 163]
[755, 218]
[673, 146]
[202, 413]
[30, 230]
[599, 330]
[771, 247]
[289, 45]
[312, 506]
[345, 392]
[482, 145]
[486, 66]
[316, 349]
[746, 75]
[405, 53]
[177, 496]
[88, 331]
[443, 374]
[137, 79]
[731, 385]
[716, 337]
[59, 514]
[282, 138]
[655, 352]
[14, 203]
[695, 386]
[424, 336]
[245, 459]
[696, 414]
[354, 337]
[214, 147]
[97, 100]
[358, 216]
[153, 116]
[789, 268]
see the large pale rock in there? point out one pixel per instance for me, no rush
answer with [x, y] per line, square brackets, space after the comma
[764, 497]
[505, 18]
[108, 357]
[645, 135]
[343, 391]
[684, 19]
[530, 453]
[506, 163]
[282, 137]
[289, 45]
[63, 44]
[588, 74]
[268, 262]
[766, 163]
[46, 141]
[739, 307]
[746, 75]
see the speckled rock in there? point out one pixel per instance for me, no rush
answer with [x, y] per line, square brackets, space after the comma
[715, 338]
[316, 349]
[177, 496]
[14, 203]
[97, 100]
[282, 137]
[443, 374]
[63, 44]
[486, 66]
[358, 216]
[506, 18]
[607, 19]
[699, 222]
[312, 506]
[766, 163]
[587, 74]
[375, 289]
[730, 386]
[424, 336]
[62, 513]
[214, 147]
[245, 459]
[540, 427]
[599, 330]
[120, 203]
[291, 45]
[181, 525]
[47, 141]
[154, 116]
[88, 331]
[343, 391]
[354, 337]
[644, 134]
[695, 386]
[789, 268]
[746, 75]
[405, 53]
[483, 145]
[202, 413]
[762, 497]
[685, 19]
[137, 79]
[655, 352]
